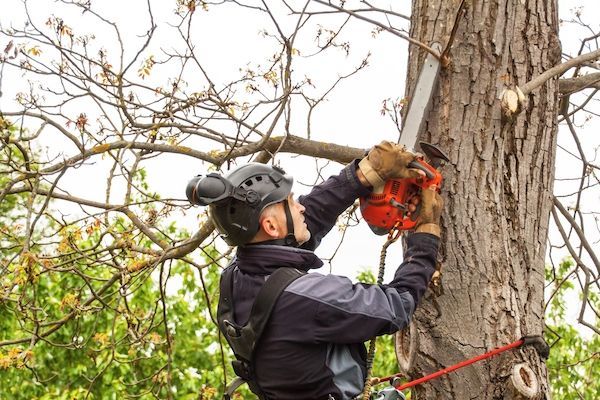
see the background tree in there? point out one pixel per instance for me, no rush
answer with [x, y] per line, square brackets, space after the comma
[98, 269]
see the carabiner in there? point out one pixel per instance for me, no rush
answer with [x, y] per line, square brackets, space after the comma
[394, 233]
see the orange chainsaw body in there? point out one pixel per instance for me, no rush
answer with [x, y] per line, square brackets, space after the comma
[389, 209]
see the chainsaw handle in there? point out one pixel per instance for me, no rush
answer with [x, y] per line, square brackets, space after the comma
[416, 164]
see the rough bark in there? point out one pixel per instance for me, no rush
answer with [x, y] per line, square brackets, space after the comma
[497, 189]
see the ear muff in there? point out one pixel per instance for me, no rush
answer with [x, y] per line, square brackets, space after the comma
[206, 190]
[214, 188]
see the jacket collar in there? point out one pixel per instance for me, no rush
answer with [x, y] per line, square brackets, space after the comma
[264, 259]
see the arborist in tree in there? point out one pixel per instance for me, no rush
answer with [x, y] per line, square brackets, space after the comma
[299, 335]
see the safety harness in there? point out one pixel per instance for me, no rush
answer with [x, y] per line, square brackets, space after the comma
[243, 339]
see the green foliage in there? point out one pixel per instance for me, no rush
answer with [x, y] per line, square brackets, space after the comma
[574, 363]
[123, 350]
[150, 334]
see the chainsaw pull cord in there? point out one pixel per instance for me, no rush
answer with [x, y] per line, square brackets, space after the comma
[392, 237]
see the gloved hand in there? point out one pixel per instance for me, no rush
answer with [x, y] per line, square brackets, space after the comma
[388, 161]
[431, 210]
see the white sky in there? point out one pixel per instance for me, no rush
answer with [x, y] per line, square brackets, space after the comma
[229, 38]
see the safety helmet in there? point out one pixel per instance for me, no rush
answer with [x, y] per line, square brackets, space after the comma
[237, 200]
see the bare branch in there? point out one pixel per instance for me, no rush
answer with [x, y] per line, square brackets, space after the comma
[384, 27]
[580, 234]
[573, 85]
[558, 70]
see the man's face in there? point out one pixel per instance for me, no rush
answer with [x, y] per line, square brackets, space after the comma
[274, 222]
[300, 229]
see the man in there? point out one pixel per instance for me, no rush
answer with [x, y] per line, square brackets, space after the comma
[311, 346]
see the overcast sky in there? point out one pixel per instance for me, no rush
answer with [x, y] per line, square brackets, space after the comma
[230, 38]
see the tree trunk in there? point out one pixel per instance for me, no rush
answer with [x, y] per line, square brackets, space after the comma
[497, 190]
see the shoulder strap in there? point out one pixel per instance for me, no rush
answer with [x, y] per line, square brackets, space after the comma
[267, 297]
[225, 306]
[245, 338]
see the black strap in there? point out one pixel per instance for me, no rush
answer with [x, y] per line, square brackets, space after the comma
[539, 344]
[243, 339]
[267, 297]
[225, 306]
[290, 238]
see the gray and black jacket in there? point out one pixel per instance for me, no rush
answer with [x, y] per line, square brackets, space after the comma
[312, 347]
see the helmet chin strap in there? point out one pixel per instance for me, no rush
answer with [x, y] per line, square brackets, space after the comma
[290, 238]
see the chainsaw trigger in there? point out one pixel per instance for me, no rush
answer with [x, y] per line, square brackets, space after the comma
[397, 204]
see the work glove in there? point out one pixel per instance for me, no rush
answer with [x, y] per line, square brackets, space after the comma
[387, 161]
[431, 209]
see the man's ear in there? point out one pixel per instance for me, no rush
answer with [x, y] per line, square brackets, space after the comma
[270, 227]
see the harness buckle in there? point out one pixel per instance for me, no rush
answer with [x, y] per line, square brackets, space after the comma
[232, 387]
[242, 369]
[231, 329]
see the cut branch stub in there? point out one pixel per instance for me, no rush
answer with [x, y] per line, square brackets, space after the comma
[524, 381]
[512, 102]
[406, 346]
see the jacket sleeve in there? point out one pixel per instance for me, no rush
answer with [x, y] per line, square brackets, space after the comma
[328, 200]
[353, 313]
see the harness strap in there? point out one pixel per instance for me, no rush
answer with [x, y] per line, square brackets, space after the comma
[244, 339]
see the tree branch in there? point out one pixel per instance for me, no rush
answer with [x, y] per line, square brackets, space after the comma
[572, 85]
[298, 145]
[579, 232]
[558, 71]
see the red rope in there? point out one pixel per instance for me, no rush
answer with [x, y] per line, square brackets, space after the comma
[454, 367]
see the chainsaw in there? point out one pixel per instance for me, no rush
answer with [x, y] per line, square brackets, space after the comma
[389, 210]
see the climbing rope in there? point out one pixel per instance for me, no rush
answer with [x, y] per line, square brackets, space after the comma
[392, 237]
